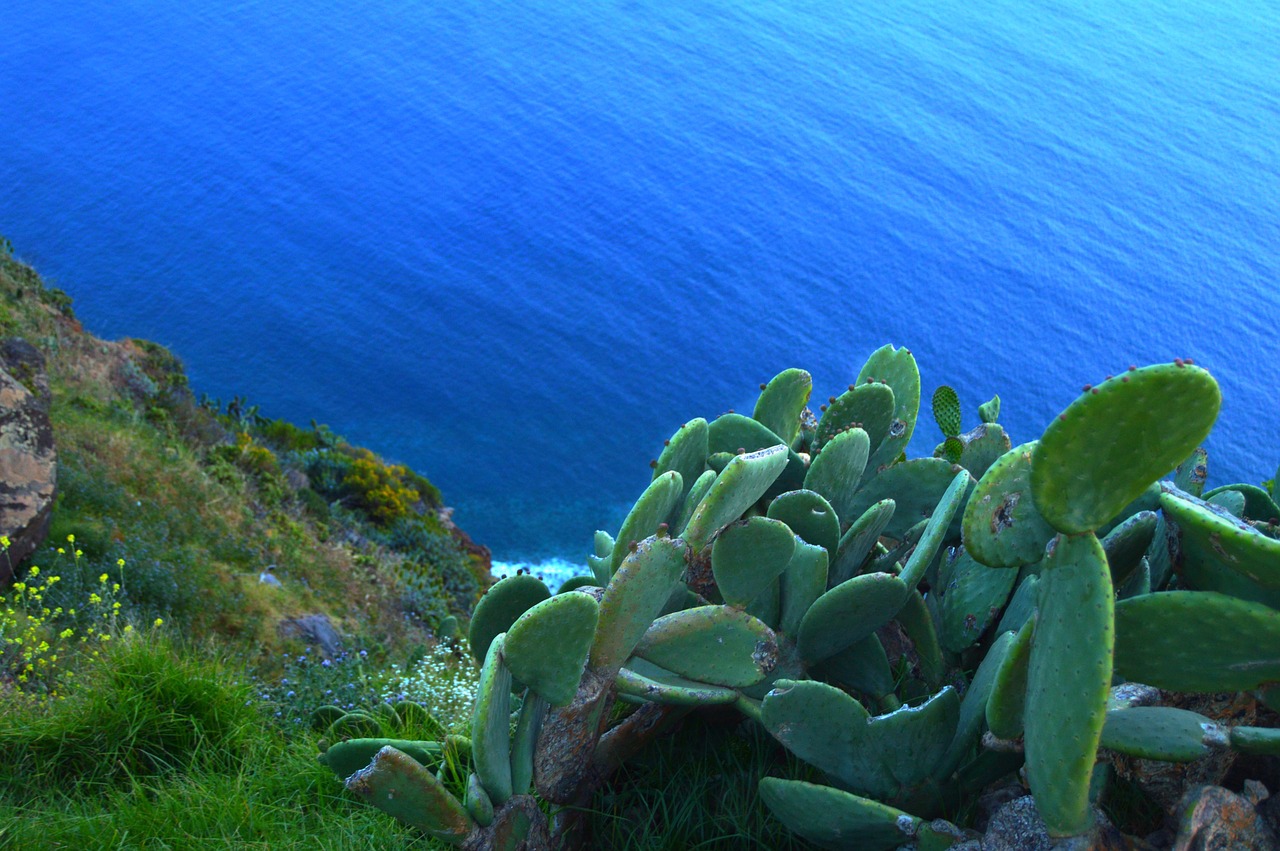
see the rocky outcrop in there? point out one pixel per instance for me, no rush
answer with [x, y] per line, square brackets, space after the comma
[28, 460]
[315, 630]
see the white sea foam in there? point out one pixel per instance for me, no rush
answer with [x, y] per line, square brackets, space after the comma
[553, 571]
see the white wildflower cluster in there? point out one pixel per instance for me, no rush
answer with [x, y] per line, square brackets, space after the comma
[444, 681]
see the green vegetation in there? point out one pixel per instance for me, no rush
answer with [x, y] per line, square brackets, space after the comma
[876, 616]
[148, 694]
[798, 637]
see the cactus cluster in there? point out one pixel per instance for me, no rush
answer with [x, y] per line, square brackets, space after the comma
[914, 629]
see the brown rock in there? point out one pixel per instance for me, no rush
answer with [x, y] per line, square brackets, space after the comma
[1211, 818]
[28, 461]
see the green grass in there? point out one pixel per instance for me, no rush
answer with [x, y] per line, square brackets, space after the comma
[163, 746]
[697, 789]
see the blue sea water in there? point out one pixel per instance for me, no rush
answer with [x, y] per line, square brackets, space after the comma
[516, 244]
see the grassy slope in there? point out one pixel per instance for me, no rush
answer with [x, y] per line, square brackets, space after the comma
[139, 481]
[162, 740]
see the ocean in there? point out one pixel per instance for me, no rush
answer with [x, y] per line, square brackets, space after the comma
[516, 244]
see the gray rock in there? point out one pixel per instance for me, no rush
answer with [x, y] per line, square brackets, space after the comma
[313, 629]
[28, 465]
[1017, 826]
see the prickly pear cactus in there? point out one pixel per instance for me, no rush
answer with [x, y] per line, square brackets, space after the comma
[805, 573]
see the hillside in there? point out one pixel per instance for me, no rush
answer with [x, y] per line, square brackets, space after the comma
[199, 499]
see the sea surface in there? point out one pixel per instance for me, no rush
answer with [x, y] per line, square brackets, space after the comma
[516, 244]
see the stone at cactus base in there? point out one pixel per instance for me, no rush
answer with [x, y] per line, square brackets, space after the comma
[28, 469]
[1167, 782]
[1017, 826]
[1211, 818]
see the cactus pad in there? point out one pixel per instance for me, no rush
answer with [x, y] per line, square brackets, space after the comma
[653, 507]
[838, 820]
[1221, 553]
[803, 582]
[896, 368]
[939, 522]
[1009, 689]
[836, 471]
[1161, 732]
[490, 725]
[810, 516]
[946, 411]
[1197, 641]
[862, 667]
[860, 539]
[1023, 604]
[972, 598]
[637, 593]
[867, 406]
[983, 446]
[499, 608]
[915, 486]
[685, 453]
[915, 620]
[719, 645]
[649, 682]
[1231, 500]
[1116, 439]
[1258, 504]
[546, 648]
[989, 411]
[692, 500]
[743, 481]
[781, 402]
[399, 786]
[885, 756]
[1264, 741]
[849, 613]
[346, 758]
[1191, 474]
[528, 725]
[1128, 542]
[735, 434]
[973, 709]
[477, 802]
[1068, 679]
[1001, 525]
[749, 555]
